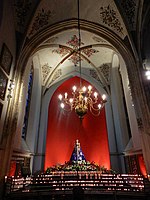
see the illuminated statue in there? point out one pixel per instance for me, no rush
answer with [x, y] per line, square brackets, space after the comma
[77, 154]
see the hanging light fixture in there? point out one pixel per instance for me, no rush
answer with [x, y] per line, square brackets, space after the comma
[83, 99]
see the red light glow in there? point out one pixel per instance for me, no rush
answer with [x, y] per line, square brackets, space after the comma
[63, 130]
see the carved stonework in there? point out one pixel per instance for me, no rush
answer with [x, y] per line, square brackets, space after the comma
[105, 70]
[57, 74]
[94, 74]
[41, 20]
[129, 9]
[109, 17]
[45, 71]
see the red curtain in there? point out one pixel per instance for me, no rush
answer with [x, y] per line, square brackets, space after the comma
[142, 164]
[64, 129]
[12, 168]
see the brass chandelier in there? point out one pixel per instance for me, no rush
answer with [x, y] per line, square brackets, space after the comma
[83, 99]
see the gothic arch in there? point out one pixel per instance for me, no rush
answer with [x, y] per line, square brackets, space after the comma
[127, 55]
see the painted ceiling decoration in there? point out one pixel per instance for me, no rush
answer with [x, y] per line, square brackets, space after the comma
[94, 75]
[109, 17]
[48, 13]
[23, 11]
[105, 69]
[74, 43]
[57, 75]
[45, 71]
[41, 21]
[45, 12]
[59, 57]
[130, 9]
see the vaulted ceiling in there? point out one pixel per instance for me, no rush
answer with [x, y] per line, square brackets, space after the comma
[58, 54]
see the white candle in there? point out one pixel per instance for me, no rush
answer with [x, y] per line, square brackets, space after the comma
[66, 95]
[74, 88]
[60, 97]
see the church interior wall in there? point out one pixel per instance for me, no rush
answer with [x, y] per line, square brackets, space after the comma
[7, 36]
[130, 106]
[37, 126]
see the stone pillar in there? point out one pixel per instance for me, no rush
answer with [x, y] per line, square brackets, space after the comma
[142, 110]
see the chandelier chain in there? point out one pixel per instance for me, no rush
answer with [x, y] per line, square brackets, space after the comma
[83, 99]
[79, 45]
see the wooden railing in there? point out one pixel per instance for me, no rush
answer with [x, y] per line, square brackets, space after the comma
[69, 180]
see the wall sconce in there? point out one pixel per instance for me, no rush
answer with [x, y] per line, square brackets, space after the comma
[10, 89]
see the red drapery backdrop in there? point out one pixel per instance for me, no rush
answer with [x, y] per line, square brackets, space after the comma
[142, 164]
[12, 169]
[63, 130]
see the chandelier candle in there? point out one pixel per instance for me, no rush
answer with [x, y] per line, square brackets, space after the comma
[82, 101]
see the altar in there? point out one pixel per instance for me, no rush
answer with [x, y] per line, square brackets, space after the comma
[78, 163]
[76, 173]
